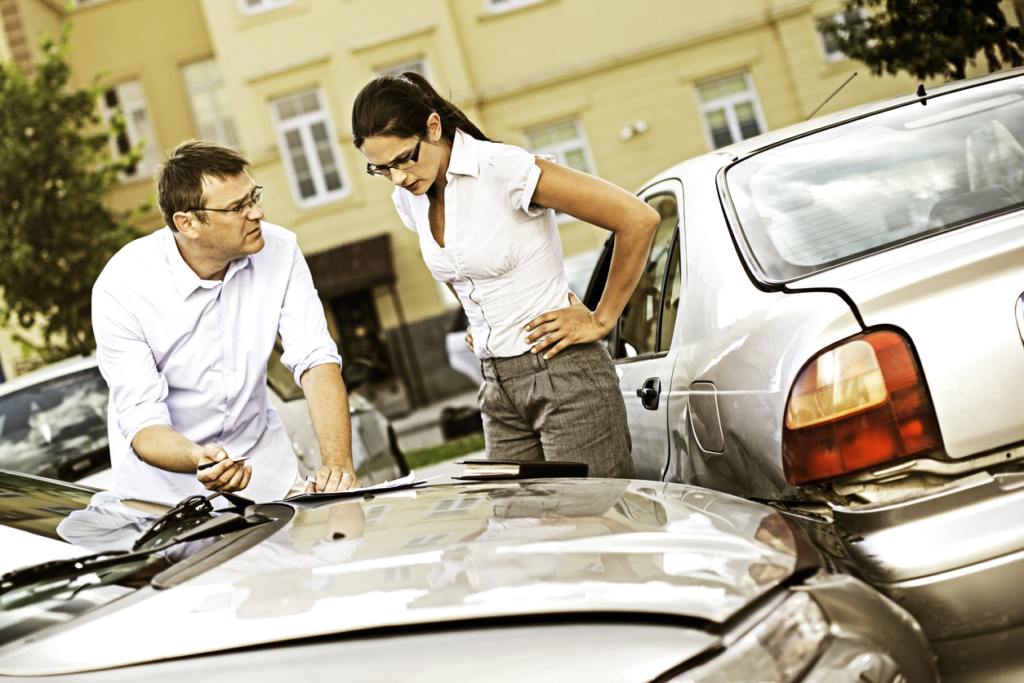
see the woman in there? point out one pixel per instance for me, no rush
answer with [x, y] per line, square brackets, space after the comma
[484, 213]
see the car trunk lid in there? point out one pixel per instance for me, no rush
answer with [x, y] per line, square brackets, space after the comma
[955, 295]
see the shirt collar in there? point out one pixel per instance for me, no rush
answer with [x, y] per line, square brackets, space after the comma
[185, 279]
[464, 159]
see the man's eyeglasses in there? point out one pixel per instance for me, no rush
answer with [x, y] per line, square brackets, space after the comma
[242, 209]
[401, 165]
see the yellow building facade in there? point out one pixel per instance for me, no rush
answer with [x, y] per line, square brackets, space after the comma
[622, 90]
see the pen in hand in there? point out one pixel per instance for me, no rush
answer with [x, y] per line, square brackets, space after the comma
[208, 465]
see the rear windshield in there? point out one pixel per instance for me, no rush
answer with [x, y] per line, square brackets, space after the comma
[46, 424]
[878, 182]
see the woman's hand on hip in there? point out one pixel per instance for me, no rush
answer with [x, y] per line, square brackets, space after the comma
[556, 330]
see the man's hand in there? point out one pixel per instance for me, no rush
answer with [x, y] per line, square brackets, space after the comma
[469, 338]
[333, 478]
[329, 411]
[564, 327]
[225, 476]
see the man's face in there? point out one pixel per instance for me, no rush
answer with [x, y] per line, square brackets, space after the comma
[232, 235]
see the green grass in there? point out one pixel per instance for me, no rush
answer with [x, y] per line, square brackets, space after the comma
[445, 451]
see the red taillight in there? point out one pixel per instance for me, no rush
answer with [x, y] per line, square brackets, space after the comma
[854, 407]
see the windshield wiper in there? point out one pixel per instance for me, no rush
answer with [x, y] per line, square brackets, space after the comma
[190, 512]
[190, 519]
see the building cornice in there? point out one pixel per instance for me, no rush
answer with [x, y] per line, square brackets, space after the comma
[393, 37]
[294, 65]
[57, 7]
[569, 72]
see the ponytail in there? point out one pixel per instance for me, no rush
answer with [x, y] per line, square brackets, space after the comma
[400, 106]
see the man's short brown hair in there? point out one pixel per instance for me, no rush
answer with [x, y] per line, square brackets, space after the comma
[179, 180]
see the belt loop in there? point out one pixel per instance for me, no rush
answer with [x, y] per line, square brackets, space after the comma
[490, 363]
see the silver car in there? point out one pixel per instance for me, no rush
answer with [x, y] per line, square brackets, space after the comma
[53, 423]
[831, 320]
[539, 580]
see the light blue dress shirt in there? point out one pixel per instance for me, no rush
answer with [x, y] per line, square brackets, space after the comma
[192, 354]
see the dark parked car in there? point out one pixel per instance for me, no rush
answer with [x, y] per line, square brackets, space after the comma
[831, 320]
[538, 580]
[53, 422]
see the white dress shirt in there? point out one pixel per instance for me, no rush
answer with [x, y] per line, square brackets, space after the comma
[501, 254]
[192, 354]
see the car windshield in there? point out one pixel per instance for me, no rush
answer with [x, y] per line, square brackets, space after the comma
[881, 181]
[46, 424]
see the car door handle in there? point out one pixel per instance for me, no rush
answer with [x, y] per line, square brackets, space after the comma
[650, 394]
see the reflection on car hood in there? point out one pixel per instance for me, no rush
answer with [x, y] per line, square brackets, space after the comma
[446, 554]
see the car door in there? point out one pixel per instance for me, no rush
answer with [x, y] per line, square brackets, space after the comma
[641, 342]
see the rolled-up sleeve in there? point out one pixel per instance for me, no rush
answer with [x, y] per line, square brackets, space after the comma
[303, 327]
[517, 174]
[137, 389]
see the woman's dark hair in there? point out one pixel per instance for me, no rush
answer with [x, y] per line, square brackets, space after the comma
[400, 106]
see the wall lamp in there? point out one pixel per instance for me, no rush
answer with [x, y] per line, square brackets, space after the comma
[632, 129]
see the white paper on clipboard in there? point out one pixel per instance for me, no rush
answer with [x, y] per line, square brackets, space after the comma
[407, 481]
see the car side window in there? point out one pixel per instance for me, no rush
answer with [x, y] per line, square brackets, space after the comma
[638, 325]
[671, 298]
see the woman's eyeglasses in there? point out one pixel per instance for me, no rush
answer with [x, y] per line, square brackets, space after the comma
[401, 165]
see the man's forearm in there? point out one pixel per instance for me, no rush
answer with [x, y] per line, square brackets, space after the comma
[161, 446]
[328, 410]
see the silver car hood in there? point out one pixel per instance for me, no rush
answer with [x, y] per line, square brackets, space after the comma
[445, 555]
[955, 295]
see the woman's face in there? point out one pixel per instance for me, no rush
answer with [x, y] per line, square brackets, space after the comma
[396, 153]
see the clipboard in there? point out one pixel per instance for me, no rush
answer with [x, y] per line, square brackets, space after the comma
[314, 500]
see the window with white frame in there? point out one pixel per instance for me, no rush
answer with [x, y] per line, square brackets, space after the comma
[730, 109]
[566, 141]
[129, 100]
[257, 6]
[828, 42]
[447, 507]
[375, 513]
[505, 5]
[429, 539]
[308, 145]
[417, 65]
[211, 107]
[399, 574]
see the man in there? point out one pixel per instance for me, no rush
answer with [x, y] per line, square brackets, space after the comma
[185, 322]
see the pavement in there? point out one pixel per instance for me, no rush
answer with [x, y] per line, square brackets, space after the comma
[422, 428]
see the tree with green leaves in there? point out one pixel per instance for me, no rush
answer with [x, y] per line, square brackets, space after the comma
[926, 38]
[56, 234]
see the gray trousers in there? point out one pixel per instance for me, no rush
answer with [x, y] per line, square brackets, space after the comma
[566, 408]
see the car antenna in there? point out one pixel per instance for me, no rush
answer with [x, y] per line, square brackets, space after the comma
[922, 93]
[830, 97]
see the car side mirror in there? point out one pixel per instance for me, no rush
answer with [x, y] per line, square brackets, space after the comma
[356, 373]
